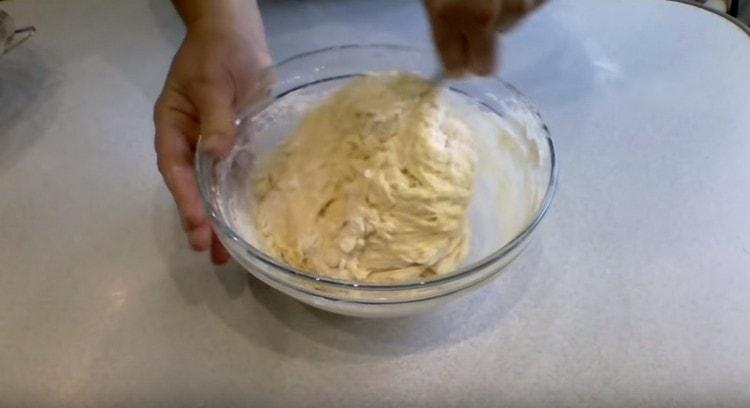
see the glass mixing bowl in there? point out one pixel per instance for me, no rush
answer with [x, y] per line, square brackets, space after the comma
[516, 178]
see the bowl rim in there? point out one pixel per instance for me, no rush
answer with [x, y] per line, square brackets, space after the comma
[437, 280]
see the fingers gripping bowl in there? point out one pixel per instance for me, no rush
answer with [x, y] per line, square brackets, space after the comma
[515, 178]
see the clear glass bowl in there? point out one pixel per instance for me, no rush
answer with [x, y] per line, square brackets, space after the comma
[514, 188]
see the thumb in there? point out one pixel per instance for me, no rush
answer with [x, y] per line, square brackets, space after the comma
[217, 120]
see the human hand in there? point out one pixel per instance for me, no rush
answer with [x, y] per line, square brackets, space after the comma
[211, 75]
[465, 30]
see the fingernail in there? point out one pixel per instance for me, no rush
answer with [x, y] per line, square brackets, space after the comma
[213, 145]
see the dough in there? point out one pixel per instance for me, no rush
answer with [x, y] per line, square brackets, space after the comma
[373, 185]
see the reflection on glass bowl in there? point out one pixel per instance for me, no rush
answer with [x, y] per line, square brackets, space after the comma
[515, 180]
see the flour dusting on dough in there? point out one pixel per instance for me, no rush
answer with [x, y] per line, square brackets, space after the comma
[373, 185]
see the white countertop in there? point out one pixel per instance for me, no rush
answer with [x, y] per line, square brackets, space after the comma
[636, 290]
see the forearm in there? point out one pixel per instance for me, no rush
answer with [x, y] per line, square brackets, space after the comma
[227, 12]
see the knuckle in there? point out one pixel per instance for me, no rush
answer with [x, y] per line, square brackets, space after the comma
[161, 166]
[196, 241]
[192, 221]
[167, 172]
[159, 109]
[170, 172]
[204, 77]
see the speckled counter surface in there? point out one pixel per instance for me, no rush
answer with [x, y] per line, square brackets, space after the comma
[635, 292]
